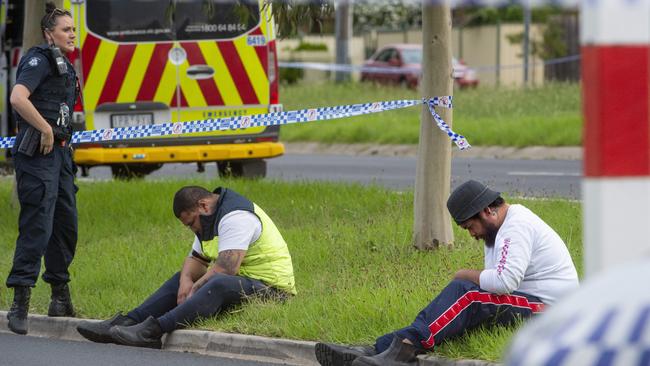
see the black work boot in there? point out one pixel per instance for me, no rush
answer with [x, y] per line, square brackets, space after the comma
[398, 354]
[61, 304]
[17, 315]
[146, 334]
[329, 354]
[99, 331]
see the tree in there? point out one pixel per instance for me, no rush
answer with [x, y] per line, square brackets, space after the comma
[388, 14]
[289, 15]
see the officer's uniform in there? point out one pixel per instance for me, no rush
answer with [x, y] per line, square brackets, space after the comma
[45, 183]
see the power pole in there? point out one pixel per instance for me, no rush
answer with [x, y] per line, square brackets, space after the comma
[526, 50]
[34, 11]
[343, 34]
[432, 224]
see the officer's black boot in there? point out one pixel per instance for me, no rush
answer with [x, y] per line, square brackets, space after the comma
[398, 354]
[146, 334]
[336, 355]
[61, 304]
[100, 331]
[17, 315]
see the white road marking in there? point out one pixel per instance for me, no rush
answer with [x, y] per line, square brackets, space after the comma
[547, 174]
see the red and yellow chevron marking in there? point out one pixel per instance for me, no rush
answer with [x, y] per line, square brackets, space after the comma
[116, 73]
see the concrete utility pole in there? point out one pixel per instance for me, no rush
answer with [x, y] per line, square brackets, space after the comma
[432, 224]
[526, 50]
[343, 35]
[34, 11]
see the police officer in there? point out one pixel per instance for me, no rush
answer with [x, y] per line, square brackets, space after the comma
[44, 94]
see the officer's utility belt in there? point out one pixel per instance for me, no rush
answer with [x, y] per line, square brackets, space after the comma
[32, 139]
[62, 135]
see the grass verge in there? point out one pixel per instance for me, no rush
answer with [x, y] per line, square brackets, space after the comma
[357, 274]
[547, 116]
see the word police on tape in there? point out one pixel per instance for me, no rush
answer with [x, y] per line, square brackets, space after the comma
[257, 120]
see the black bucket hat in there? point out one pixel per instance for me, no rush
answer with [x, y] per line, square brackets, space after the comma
[468, 199]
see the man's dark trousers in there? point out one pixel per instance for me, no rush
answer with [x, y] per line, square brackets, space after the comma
[48, 217]
[218, 293]
[461, 306]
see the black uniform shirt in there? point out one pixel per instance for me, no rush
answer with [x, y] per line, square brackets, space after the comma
[32, 70]
[34, 67]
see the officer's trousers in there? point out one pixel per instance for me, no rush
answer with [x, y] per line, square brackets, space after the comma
[47, 225]
[461, 306]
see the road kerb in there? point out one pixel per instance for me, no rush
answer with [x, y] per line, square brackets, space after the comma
[273, 350]
[257, 348]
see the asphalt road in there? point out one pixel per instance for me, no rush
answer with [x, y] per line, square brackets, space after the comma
[532, 178]
[18, 350]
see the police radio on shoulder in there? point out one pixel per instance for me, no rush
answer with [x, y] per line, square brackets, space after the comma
[58, 58]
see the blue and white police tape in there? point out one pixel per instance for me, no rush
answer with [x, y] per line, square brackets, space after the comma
[257, 120]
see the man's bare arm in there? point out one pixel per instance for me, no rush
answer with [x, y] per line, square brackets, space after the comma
[227, 262]
[193, 269]
[469, 274]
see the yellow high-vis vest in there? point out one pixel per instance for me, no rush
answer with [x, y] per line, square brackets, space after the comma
[267, 259]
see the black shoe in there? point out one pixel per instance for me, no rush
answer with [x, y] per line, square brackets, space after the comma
[61, 303]
[99, 331]
[17, 315]
[398, 354]
[146, 334]
[336, 355]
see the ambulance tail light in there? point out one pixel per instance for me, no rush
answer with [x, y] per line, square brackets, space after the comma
[266, 139]
[273, 74]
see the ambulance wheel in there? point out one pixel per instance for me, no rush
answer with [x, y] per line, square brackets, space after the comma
[242, 169]
[131, 171]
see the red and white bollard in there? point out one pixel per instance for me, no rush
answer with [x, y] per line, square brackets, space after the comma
[615, 82]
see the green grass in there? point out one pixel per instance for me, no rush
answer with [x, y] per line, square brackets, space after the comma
[357, 274]
[547, 116]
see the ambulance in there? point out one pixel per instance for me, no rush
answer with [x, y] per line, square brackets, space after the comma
[143, 62]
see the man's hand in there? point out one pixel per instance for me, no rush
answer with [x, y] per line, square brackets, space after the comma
[468, 274]
[193, 270]
[200, 282]
[184, 290]
[227, 262]
[47, 139]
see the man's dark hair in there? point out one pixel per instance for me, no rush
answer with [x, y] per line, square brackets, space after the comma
[187, 198]
[52, 13]
[498, 202]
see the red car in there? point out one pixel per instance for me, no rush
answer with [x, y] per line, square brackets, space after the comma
[402, 64]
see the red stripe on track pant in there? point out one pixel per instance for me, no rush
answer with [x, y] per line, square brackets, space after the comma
[461, 306]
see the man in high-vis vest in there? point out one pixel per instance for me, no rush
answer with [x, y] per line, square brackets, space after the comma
[249, 257]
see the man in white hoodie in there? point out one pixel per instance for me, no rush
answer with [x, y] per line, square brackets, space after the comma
[527, 266]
